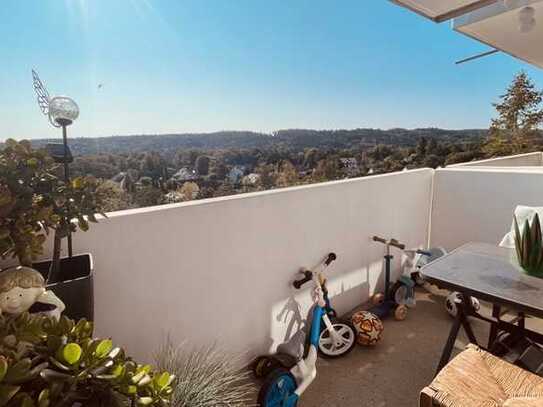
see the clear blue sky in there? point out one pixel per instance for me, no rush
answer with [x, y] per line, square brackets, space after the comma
[203, 65]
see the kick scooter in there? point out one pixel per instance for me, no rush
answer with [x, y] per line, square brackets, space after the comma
[330, 337]
[396, 297]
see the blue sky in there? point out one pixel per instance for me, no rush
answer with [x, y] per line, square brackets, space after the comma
[208, 65]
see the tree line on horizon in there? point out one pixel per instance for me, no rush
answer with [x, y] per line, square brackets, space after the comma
[138, 171]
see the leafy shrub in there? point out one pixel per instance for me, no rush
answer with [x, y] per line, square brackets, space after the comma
[33, 199]
[24, 215]
[46, 363]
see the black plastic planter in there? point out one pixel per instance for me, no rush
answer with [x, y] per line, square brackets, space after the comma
[74, 285]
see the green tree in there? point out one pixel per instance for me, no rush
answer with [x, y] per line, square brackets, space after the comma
[515, 130]
[202, 165]
[114, 198]
[327, 170]
[267, 175]
[310, 158]
[422, 143]
[288, 176]
[219, 169]
[146, 196]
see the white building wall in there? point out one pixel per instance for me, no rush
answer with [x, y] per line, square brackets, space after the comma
[519, 160]
[220, 270]
[477, 204]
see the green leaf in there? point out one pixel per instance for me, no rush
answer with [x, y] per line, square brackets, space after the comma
[145, 401]
[53, 376]
[118, 370]
[131, 389]
[83, 224]
[137, 377]
[23, 400]
[7, 392]
[53, 343]
[43, 398]
[3, 367]
[71, 353]
[19, 371]
[103, 348]
[162, 380]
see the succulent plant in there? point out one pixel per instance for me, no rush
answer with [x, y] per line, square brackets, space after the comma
[529, 246]
[46, 363]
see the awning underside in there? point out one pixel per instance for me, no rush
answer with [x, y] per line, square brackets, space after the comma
[508, 29]
[442, 10]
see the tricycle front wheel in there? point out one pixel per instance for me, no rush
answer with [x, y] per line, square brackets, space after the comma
[278, 390]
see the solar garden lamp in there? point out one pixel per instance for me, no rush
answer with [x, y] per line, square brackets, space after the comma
[61, 111]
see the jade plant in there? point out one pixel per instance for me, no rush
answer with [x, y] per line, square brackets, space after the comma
[529, 246]
[34, 200]
[25, 217]
[46, 363]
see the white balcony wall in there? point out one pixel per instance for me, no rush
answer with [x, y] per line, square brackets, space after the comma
[520, 160]
[220, 270]
[473, 204]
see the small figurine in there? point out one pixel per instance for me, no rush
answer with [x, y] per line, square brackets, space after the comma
[23, 289]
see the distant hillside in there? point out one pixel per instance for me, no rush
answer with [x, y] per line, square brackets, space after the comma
[295, 139]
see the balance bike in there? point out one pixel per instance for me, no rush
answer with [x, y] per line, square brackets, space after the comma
[397, 297]
[331, 337]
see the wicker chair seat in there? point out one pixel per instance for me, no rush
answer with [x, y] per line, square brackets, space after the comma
[476, 378]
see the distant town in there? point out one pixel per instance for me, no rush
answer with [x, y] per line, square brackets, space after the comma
[138, 171]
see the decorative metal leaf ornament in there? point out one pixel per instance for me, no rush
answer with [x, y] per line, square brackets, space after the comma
[42, 96]
[41, 92]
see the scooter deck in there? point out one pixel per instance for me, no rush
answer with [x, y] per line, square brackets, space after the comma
[383, 310]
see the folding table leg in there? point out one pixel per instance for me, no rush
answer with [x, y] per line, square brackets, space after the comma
[449, 345]
[469, 331]
[522, 320]
[496, 314]
[464, 309]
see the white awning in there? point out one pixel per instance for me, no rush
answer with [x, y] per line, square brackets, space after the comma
[442, 10]
[512, 26]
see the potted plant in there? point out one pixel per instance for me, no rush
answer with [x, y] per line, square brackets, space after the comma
[205, 376]
[46, 363]
[34, 202]
[529, 246]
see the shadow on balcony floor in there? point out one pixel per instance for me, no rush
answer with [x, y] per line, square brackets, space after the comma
[392, 373]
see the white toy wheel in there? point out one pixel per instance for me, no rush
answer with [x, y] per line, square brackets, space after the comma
[347, 335]
[399, 293]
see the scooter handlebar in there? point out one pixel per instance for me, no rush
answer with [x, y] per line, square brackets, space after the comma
[395, 243]
[308, 276]
[379, 239]
[391, 242]
[424, 253]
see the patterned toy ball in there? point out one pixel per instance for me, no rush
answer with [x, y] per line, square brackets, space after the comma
[369, 328]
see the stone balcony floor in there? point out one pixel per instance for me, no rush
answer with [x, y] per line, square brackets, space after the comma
[392, 373]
